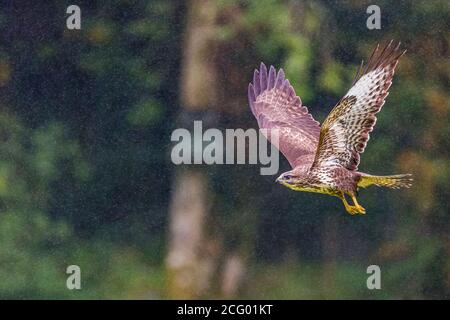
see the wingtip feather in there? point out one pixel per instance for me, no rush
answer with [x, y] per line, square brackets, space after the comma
[280, 78]
[263, 77]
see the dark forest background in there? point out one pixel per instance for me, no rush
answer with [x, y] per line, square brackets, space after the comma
[85, 172]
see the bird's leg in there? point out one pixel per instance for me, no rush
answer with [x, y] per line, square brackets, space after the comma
[358, 207]
[350, 209]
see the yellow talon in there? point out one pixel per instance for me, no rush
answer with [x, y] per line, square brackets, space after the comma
[350, 209]
[356, 209]
[360, 208]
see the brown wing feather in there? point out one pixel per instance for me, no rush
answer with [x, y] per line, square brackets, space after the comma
[276, 106]
[345, 132]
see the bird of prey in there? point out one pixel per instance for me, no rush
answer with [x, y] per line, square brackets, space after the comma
[325, 159]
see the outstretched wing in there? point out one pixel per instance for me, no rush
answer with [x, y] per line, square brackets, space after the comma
[276, 106]
[345, 132]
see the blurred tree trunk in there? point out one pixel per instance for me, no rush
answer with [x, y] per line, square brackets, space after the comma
[189, 260]
[232, 274]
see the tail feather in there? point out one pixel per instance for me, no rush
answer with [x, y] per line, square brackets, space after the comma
[395, 181]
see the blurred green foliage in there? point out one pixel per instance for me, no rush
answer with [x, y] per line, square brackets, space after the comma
[85, 124]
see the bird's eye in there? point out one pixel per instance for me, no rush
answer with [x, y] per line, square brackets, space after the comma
[288, 177]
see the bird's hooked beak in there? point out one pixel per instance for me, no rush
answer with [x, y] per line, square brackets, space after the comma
[279, 180]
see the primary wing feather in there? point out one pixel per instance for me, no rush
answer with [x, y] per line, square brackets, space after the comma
[276, 106]
[345, 132]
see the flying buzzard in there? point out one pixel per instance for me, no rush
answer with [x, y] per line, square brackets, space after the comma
[325, 158]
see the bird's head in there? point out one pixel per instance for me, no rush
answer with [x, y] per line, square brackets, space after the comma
[296, 180]
[291, 179]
